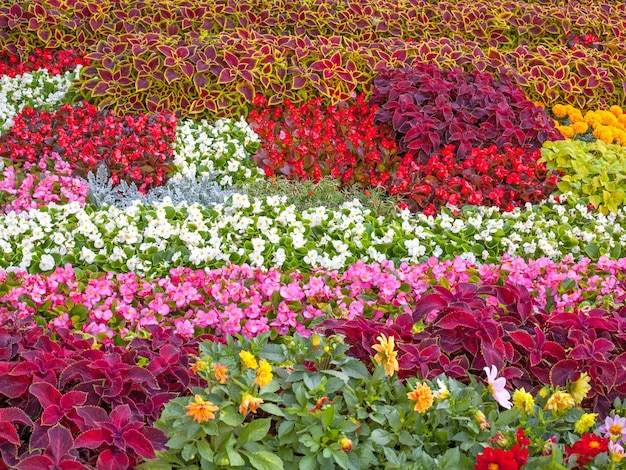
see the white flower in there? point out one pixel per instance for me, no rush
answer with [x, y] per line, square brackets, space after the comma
[496, 387]
[46, 263]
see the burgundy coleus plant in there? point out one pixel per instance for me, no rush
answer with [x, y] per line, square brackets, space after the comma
[464, 329]
[68, 386]
[118, 438]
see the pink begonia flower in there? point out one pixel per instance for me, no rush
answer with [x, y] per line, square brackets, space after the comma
[496, 387]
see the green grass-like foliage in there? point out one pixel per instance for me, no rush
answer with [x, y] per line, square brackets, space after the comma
[328, 192]
[594, 170]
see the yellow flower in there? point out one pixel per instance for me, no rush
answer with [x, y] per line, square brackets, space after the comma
[560, 401]
[580, 388]
[566, 131]
[482, 420]
[539, 103]
[616, 110]
[523, 400]
[220, 370]
[580, 127]
[559, 110]
[201, 410]
[249, 403]
[248, 359]
[315, 342]
[386, 354]
[198, 366]
[264, 374]
[422, 395]
[585, 422]
[345, 444]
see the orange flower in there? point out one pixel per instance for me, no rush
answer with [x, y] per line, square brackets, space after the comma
[249, 403]
[422, 395]
[220, 370]
[201, 410]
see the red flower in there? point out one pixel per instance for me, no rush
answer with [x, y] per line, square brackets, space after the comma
[587, 448]
[496, 459]
[521, 437]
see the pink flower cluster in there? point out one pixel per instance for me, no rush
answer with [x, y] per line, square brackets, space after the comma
[37, 185]
[239, 299]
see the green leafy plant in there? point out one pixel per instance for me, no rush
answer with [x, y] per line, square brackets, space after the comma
[593, 170]
[302, 403]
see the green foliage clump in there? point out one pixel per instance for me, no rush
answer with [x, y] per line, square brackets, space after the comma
[327, 192]
[593, 170]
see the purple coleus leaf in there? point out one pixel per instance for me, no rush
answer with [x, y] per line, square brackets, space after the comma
[55, 404]
[117, 431]
[57, 455]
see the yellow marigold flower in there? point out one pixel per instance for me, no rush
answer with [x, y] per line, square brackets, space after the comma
[616, 110]
[264, 374]
[386, 354]
[220, 371]
[622, 119]
[539, 103]
[592, 118]
[580, 388]
[201, 410]
[248, 359]
[580, 127]
[544, 392]
[198, 366]
[523, 400]
[482, 420]
[422, 395]
[566, 131]
[559, 110]
[560, 401]
[249, 403]
[585, 422]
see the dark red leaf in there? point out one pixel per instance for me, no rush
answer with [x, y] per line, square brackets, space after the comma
[60, 443]
[562, 372]
[109, 460]
[45, 393]
[138, 442]
[94, 438]
[9, 433]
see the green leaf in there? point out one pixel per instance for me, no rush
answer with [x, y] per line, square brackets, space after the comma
[341, 458]
[263, 460]
[236, 460]
[451, 459]
[254, 431]
[308, 463]
[328, 414]
[204, 449]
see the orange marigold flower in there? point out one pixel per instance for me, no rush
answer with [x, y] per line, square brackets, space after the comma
[422, 395]
[249, 403]
[220, 371]
[201, 410]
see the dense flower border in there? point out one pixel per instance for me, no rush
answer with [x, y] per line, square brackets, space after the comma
[151, 240]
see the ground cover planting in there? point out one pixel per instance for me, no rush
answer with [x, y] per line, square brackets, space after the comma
[278, 235]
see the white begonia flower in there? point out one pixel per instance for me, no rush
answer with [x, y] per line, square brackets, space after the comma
[46, 263]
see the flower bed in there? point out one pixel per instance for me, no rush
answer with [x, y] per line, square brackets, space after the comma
[168, 300]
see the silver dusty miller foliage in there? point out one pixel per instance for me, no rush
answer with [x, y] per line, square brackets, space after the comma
[203, 191]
